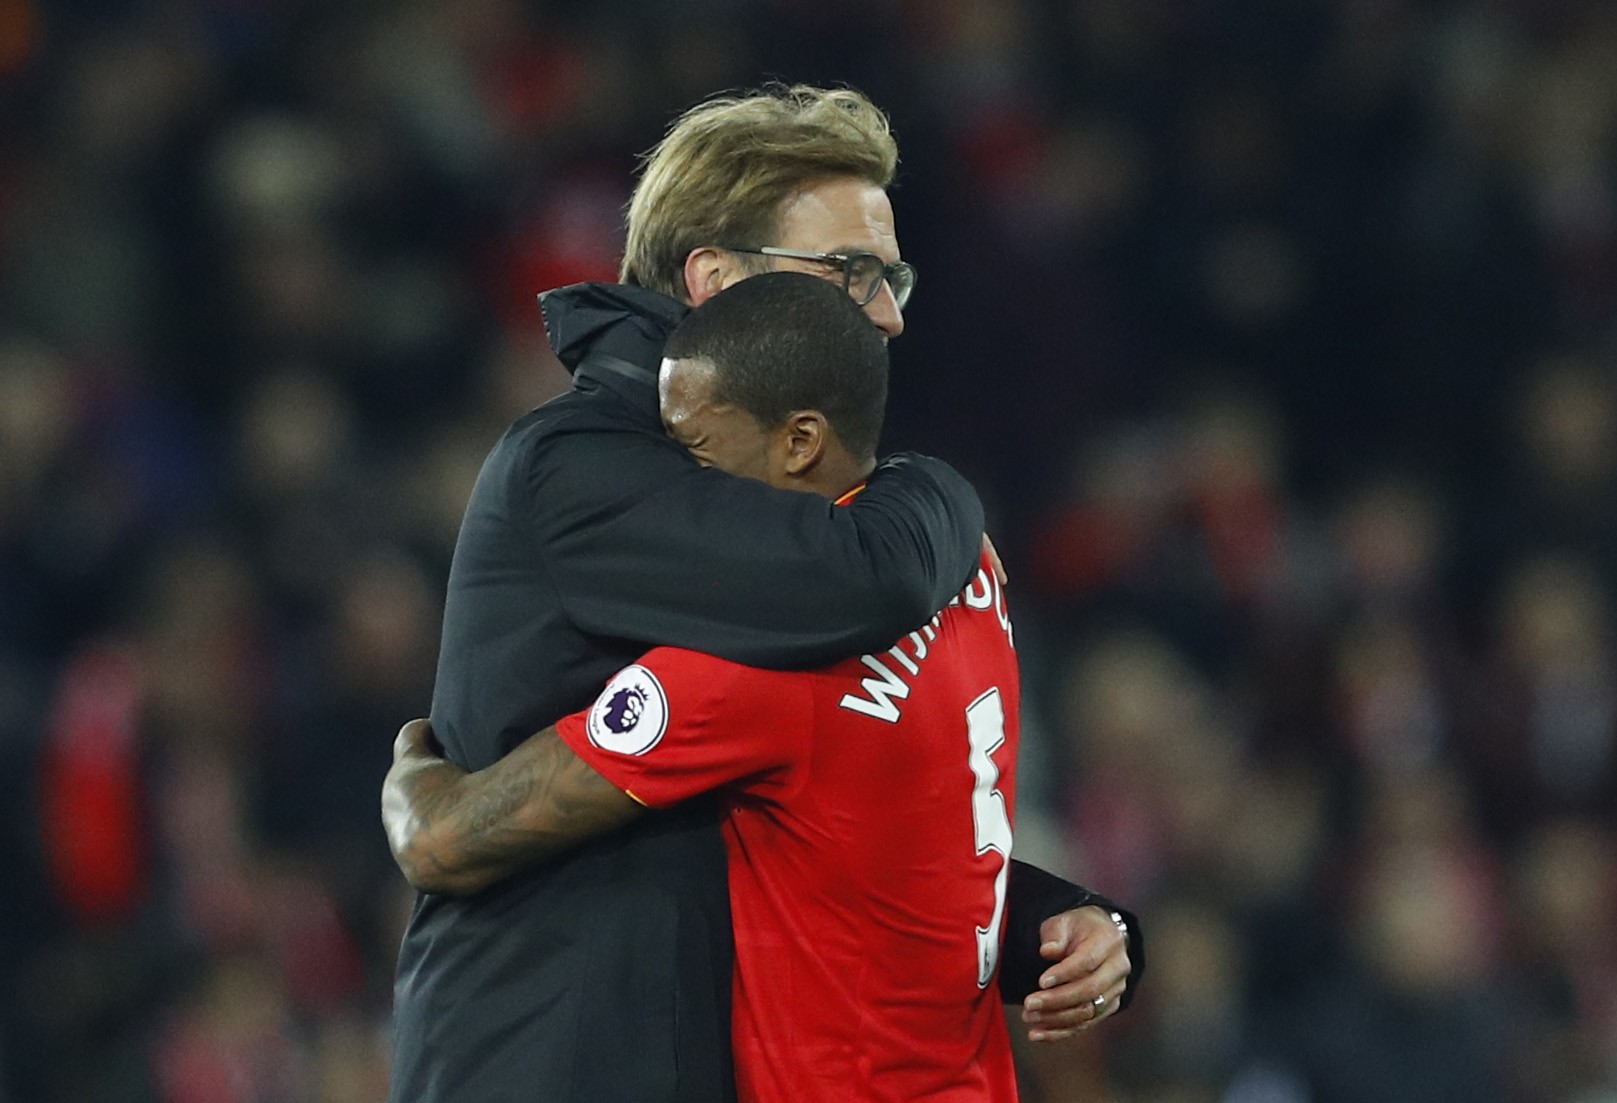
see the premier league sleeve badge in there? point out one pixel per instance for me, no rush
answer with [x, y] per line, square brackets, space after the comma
[631, 714]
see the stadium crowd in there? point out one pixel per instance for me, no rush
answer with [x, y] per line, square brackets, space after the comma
[1280, 338]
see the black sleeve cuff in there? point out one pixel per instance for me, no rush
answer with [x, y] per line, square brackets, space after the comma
[1034, 896]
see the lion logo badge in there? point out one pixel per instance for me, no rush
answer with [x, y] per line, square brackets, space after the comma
[631, 714]
[624, 709]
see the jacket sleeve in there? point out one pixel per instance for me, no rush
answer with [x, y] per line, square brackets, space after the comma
[645, 544]
[1034, 896]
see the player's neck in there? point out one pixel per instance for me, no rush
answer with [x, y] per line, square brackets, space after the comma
[836, 475]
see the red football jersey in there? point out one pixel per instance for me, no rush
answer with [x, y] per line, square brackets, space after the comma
[869, 832]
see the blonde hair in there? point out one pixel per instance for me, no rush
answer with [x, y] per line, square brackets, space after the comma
[721, 173]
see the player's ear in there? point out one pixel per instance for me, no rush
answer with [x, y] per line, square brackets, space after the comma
[806, 437]
[708, 271]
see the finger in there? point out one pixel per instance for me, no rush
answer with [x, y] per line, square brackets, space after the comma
[414, 739]
[1068, 1005]
[1041, 1034]
[1109, 1008]
[1114, 997]
[1080, 942]
[1063, 934]
[1078, 1015]
[994, 560]
[1076, 1019]
[1051, 1026]
[1084, 960]
[1058, 935]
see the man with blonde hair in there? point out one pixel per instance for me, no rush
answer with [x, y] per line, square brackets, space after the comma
[796, 167]
[591, 537]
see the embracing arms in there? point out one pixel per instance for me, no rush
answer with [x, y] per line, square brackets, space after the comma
[644, 544]
[458, 833]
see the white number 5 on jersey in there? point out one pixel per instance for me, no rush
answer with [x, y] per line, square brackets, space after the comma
[985, 729]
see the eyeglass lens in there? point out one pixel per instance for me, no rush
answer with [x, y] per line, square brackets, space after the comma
[865, 273]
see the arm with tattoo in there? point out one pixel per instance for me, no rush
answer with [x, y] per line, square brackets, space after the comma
[457, 833]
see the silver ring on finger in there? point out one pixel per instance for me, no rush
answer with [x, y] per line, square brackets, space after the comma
[1099, 1002]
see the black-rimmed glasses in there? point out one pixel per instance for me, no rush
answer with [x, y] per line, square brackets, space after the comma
[862, 273]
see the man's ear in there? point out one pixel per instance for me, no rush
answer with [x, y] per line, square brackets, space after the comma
[807, 437]
[708, 271]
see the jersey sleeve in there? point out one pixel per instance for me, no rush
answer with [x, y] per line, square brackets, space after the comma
[679, 723]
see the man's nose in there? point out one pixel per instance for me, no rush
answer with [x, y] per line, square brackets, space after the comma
[884, 313]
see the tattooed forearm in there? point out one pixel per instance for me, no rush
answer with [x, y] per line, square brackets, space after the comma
[482, 830]
[454, 832]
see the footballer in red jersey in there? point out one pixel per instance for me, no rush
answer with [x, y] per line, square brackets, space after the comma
[869, 811]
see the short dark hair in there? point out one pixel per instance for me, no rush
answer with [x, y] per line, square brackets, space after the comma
[785, 341]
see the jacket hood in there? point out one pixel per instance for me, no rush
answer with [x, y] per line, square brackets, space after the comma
[615, 319]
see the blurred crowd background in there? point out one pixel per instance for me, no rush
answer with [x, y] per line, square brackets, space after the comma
[1279, 335]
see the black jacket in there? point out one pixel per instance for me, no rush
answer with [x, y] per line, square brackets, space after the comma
[590, 537]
